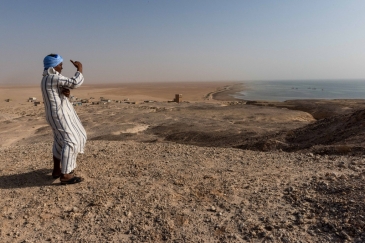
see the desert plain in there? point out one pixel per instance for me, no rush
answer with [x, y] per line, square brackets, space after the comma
[208, 169]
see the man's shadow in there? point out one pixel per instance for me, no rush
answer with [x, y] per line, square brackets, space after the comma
[35, 178]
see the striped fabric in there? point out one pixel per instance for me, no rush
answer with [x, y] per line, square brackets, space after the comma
[69, 134]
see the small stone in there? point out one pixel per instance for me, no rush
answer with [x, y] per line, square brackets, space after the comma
[354, 162]
[285, 239]
[269, 227]
[212, 208]
[342, 164]
[300, 221]
[75, 209]
[128, 214]
[345, 235]
[343, 177]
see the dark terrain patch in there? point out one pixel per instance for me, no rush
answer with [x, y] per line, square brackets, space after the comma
[340, 134]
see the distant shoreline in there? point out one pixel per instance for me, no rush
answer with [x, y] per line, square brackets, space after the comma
[226, 93]
[318, 108]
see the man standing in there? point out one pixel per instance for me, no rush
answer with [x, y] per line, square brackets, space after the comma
[69, 134]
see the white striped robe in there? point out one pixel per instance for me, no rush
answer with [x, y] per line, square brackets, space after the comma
[69, 134]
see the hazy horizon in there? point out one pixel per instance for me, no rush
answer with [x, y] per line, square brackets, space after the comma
[184, 41]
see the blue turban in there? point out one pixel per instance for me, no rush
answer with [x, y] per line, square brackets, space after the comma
[52, 61]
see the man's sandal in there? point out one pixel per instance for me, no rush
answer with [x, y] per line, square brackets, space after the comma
[73, 180]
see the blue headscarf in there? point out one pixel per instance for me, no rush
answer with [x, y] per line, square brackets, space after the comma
[52, 61]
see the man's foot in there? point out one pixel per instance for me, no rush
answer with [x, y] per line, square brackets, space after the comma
[73, 180]
[70, 179]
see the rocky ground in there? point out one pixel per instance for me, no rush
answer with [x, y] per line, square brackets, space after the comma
[188, 172]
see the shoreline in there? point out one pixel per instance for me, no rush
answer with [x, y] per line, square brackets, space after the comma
[225, 93]
[317, 108]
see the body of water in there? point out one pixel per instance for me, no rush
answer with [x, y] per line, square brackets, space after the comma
[305, 89]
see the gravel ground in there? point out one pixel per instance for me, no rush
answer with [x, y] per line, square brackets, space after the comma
[169, 192]
[166, 172]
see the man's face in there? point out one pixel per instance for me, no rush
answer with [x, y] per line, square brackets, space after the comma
[58, 68]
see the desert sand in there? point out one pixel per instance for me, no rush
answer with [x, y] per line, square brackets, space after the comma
[208, 169]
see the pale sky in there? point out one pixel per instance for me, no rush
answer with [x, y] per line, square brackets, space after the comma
[184, 40]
